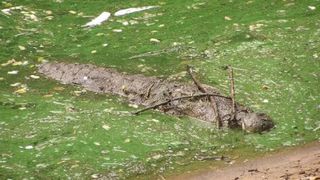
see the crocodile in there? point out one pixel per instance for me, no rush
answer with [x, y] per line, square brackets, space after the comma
[148, 91]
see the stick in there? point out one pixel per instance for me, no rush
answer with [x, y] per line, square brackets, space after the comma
[196, 82]
[157, 52]
[176, 99]
[213, 103]
[150, 53]
[147, 94]
[232, 93]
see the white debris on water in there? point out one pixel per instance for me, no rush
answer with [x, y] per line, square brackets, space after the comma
[106, 127]
[29, 15]
[13, 72]
[34, 76]
[117, 30]
[104, 16]
[154, 40]
[28, 147]
[123, 12]
[312, 8]
[15, 84]
[7, 11]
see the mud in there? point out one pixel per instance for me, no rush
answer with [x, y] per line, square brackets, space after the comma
[289, 164]
[148, 91]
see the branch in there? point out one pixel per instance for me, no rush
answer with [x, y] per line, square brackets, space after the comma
[232, 93]
[176, 99]
[147, 94]
[213, 103]
[196, 82]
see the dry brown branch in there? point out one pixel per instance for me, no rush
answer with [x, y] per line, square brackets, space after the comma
[213, 103]
[147, 94]
[176, 99]
[196, 82]
[232, 93]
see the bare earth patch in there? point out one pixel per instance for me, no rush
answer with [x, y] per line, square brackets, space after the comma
[299, 163]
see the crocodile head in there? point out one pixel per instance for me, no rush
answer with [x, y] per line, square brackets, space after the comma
[256, 122]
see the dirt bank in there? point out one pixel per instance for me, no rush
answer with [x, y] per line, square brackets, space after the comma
[148, 91]
[299, 163]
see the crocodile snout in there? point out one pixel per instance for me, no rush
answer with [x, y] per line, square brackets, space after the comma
[257, 122]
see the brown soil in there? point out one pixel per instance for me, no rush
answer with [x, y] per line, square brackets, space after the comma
[148, 91]
[299, 163]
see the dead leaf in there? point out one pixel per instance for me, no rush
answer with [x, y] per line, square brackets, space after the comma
[34, 77]
[106, 127]
[22, 48]
[47, 95]
[154, 40]
[227, 18]
[117, 30]
[8, 62]
[21, 90]
[13, 72]
[72, 12]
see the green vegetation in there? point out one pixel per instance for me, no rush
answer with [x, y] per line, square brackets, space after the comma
[49, 130]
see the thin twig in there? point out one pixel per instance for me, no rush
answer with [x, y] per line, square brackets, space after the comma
[150, 53]
[232, 93]
[214, 105]
[147, 94]
[176, 99]
[196, 82]
[168, 50]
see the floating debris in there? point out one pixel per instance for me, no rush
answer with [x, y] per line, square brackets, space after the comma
[72, 12]
[256, 27]
[104, 16]
[41, 165]
[154, 40]
[34, 76]
[123, 12]
[13, 72]
[133, 106]
[56, 112]
[20, 63]
[95, 176]
[48, 12]
[312, 8]
[15, 84]
[157, 156]
[11, 61]
[117, 30]
[22, 48]
[28, 147]
[7, 11]
[106, 127]
[227, 18]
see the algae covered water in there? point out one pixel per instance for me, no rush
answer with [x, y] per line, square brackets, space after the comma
[49, 130]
